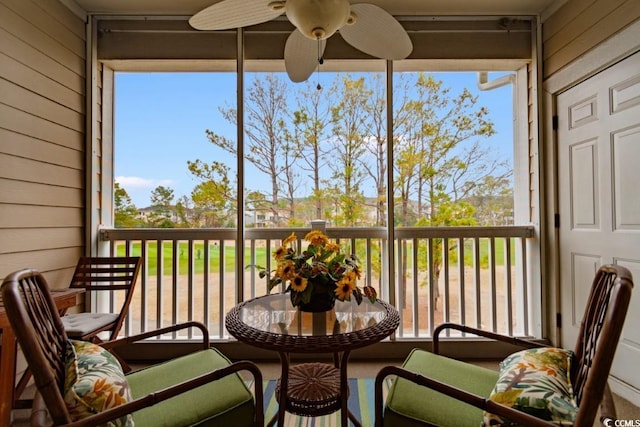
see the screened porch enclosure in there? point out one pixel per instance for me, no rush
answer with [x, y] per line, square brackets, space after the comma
[484, 272]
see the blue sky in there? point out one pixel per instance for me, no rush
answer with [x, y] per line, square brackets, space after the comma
[161, 118]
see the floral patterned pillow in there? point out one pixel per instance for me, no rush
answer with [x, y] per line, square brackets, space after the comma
[536, 381]
[94, 382]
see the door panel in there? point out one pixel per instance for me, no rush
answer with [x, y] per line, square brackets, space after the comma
[599, 197]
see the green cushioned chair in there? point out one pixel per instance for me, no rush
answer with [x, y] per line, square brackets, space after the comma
[82, 384]
[432, 389]
[408, 401]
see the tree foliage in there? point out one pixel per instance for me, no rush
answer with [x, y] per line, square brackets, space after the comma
[322, 154]
[125, 212]
[162, 208]
[214, 197]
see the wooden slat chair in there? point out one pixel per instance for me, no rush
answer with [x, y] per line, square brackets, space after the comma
[102, 274]
[431, 389]
[200, 388]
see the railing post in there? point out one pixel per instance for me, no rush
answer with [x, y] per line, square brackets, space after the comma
[319, 224]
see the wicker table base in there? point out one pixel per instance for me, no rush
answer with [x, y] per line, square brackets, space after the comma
[314, 389]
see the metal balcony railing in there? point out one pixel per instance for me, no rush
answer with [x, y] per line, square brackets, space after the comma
[473, 275]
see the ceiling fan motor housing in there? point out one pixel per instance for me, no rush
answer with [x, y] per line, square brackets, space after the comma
[318, 19]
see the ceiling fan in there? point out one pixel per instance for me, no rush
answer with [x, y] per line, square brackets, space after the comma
[364, 26]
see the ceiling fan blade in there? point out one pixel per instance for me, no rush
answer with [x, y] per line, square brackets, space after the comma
[377, 33]
[234, 14]
[301, 56]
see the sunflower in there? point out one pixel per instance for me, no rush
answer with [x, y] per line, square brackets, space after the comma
[289, 240]
[333, 247]
[286, 271]
[345, 287]
[299, 284]
[280, 253]
[316, 238]
[322, 267]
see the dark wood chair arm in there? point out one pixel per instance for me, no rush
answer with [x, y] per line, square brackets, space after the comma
[479, 332]
[607, 407]
[454, 392]
[128, 340]
[164, 394]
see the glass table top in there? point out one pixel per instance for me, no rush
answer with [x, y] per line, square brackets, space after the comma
[275, 314]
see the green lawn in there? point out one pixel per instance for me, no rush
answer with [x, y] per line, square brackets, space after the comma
[182, 252]
[230, 256]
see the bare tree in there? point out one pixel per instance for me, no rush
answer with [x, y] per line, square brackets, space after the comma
[349, 119]
[376, 145]
[265, 126]
[311, 124]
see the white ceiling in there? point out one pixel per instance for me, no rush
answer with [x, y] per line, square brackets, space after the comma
[395, 7]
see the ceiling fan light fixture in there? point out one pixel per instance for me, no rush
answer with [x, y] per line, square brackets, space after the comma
[352, 18]
[276, 5]
[365, 26]
[318, 19]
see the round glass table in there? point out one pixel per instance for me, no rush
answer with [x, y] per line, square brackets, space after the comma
[271, 322]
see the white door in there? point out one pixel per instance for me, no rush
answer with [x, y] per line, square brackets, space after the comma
[599, 199]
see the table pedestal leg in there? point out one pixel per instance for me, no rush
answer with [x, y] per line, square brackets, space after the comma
[345, 413]
[303, 401]
[284, 385]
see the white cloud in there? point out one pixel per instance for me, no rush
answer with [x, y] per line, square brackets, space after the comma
[136, 182]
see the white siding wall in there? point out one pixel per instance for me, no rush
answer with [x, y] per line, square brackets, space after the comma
[42, 138]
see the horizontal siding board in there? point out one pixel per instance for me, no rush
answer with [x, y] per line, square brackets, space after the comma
[42, 260]
[33, 36]
[583, 25]
[40, 63]
[27, 240]
[32, 148]
[42, 142]
[29, 216]
[29, 170]
[60, 279]
[567, 13]
[41, 85]
[604, 28]
[22, 122]
[24, 193]
[65, 16]
[22, 99]
[38, 16]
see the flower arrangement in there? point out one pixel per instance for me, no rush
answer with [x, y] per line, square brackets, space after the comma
[320, 269]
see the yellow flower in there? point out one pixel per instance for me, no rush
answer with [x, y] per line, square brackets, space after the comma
[299, 284]
[351, 276]
[321, 264]
[289, 240]
[333, 247]
[345, 287]
[286, 271]
[279, 253]
[316, 238]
